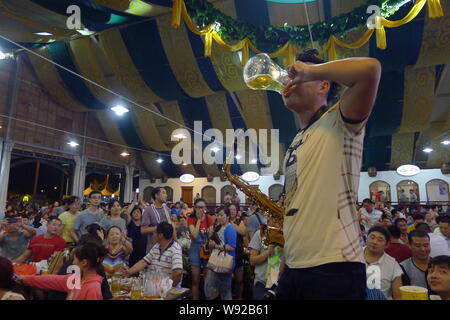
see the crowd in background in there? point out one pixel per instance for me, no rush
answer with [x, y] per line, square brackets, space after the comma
[410, 245]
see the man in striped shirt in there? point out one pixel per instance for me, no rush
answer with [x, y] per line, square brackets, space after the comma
[323, 250]
[164, 257]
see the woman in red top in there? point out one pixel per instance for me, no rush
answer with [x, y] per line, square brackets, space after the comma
[88, 286]
[200, 225]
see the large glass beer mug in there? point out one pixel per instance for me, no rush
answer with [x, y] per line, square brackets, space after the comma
[262, 73]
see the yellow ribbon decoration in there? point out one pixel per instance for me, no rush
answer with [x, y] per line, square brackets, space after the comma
[176, 12]
[179, 9]
[435, 9]
[208, 41]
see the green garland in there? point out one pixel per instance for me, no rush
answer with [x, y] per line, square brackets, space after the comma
[272, 38]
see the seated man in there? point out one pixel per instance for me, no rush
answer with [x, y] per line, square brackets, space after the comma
[438, 244]
[368, 215]
[415, 268]
[396, 249]
[17, 237]
[444, 228]
[43, 246]
[165, 255]
[439, 276]
[389, 269]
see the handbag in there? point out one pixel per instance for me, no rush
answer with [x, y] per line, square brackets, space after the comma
[220, 262]
[204, 252]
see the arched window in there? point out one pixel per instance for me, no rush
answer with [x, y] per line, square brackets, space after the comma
[169, 192]
[437, 190]
[275, 191]
[148, 194]
[209, 194]
[408, 191]
[230, 189]
[380, 191]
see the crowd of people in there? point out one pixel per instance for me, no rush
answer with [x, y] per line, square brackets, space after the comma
[409, 245]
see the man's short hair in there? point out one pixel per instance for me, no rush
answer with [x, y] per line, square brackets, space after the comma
[155, 192]
[443, 219]
[381, 230]
[93, 193]
[165, 229]
[367, 200]
[394, 231]
[423, 226]
[417, 234]
[418, 216]
[311, 55]
[400, 219]
[51, 219]
[439, 260]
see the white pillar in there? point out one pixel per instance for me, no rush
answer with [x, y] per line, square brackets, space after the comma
[79, 176]
[128, 190]
[6, 148]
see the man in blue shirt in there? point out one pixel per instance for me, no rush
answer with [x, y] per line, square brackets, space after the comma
[177, 210]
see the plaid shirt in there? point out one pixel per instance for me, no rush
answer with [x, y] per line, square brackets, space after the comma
[322, 169]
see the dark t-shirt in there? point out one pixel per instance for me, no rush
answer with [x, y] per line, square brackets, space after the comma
[398, 251]
[139, 243]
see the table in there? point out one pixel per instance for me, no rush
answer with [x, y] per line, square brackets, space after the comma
[174, 294]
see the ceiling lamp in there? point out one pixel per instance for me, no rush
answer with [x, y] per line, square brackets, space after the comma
[250, 176]
[408, 170]
[446, 142]
[73, 144]
[124, 154]
[187, 178]
[120, 110]
[427, 150]
[159, 160]
[43, 34]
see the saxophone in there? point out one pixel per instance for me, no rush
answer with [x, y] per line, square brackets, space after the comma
[275, 213]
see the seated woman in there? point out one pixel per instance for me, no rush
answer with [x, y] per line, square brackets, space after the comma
[88, 259]
[119, 248]
[8, 289]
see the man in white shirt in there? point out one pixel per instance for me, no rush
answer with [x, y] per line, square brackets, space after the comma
[322, 234]
[438, 244]
[164, 257]
[368, 215]
[444, 228]
[389, 269]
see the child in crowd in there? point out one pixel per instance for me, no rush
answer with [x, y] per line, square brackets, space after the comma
[88, 258]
